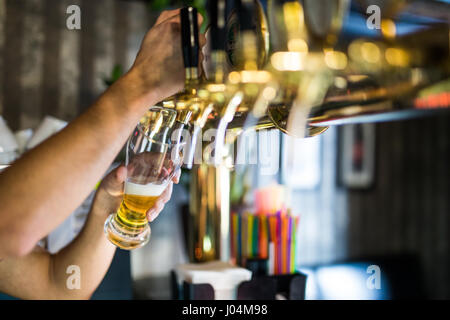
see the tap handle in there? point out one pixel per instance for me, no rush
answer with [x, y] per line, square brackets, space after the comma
[218, 18]
[246, 11]
[189, 37]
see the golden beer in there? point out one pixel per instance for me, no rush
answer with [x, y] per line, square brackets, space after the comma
[132, 211]
[137, 200]
[131, 217]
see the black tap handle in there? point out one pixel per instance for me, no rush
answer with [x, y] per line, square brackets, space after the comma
[245, 9]
[189, 37]
[218, 18]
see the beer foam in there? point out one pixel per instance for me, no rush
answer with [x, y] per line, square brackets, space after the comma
[149, 190]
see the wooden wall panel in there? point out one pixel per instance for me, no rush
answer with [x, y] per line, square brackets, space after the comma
[12, 60]
[47, 69]
[121, 32]
[31, 66]
[2, 46]
[68, 63]
[87, 51]
[139, 21]
[408, 209]
[104, 29]
[442, 222]
[405, 211]
[53, 23]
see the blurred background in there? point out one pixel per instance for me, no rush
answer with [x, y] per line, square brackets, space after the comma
[399, 211]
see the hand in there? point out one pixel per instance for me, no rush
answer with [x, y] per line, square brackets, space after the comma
[110, 193]
[154, 212]
[159, 63]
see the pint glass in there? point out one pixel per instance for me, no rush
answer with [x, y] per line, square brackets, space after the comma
[152, 159]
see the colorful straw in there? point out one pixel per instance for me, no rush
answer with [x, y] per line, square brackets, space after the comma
[268, 233]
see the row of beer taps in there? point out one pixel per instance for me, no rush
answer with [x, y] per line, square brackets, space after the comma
[290, 71]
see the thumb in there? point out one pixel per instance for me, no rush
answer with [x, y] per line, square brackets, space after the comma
[113, 182]
[121, 174]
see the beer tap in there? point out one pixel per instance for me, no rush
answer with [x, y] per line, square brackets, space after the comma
[220, 97]
[304, 62]
[368, 80]
[308, 83]
[201, 99]
[185, 102]
[213, 93]
[252, 86]
[385, 76]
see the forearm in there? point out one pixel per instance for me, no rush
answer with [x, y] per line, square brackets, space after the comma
[40, 275]
[57, 175]
[91, 252]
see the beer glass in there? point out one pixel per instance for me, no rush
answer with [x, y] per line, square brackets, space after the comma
[152, 159]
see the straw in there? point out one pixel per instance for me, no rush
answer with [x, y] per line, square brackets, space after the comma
[271, 258]
[294, 243]
[255, 237]
[244, 236]
[263, 239]
[278, 243]
[249, 235]
[234, 236]
[284, 240]
[268, 233]
[239, 238]
[273, 236]
[289, 245]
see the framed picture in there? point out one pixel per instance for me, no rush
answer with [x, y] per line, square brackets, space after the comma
[357, 156]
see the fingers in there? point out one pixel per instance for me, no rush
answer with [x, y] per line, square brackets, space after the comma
[165, 196]
[199, 19]
[176, 177]
[154, 212]
[113, 182]
[202, 39]
[166, 15]
[121, 174]
[169, 15]
[202, 42]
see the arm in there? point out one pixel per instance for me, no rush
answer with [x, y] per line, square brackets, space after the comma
[40, 275]
[44, 186]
